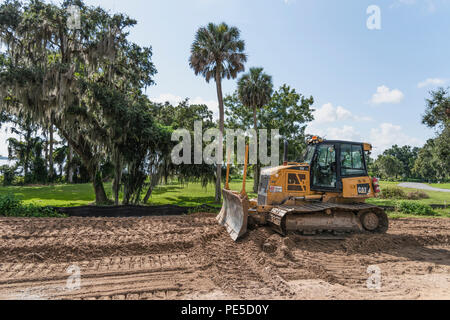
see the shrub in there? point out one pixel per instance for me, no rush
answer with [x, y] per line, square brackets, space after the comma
[409, 207]
[413, 180]
[19, 181]
[417, 195]
[10, 206]
[8, 175]
[393, 193]
[8, 203]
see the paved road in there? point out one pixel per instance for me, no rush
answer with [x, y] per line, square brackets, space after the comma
[421, 186]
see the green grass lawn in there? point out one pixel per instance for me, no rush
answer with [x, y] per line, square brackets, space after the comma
[436, 197]
[189, 195]
[193, 194]
[398, 215]
[57, 196]
[440, 186]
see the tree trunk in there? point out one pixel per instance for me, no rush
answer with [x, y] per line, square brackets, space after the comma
[125, 199]
[50, 155]
[148, 194]
[154, 179]
[100, 194]
[46, 152]
[128, 185]
[256, 169]
[117, 178]
[26, 165]
[116, 189]
[221, 129]
[69, 163]
[83, 149]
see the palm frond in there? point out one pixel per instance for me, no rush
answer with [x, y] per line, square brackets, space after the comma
[218, 51]
[255, 88]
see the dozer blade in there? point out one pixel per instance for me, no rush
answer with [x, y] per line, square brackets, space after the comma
[234, 214]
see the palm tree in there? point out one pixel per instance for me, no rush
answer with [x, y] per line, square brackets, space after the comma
[218, 53]
[255, 90]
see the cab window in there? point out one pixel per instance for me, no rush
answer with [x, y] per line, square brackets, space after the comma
[324, 171]
[309, 154]
[352, 160]
[294, 182]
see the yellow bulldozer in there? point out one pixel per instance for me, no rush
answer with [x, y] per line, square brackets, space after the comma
[323, 194]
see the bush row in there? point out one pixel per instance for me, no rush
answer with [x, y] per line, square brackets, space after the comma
[409, 207]
[400, 194]
[10, 206]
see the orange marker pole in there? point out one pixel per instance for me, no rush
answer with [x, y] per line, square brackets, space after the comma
[243, 192]
[227, 186]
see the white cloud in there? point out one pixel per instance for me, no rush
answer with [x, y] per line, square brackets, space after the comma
[347, 133]
[429, 5]
[386, 95]
[430, 82]
[328, 114]
[388, 134]
[212, 105]
[167, 97]
[382, 137]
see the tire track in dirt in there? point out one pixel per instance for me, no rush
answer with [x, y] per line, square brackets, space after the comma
[397, 256]
[164, 276]
[237, 269]
[37, 252]
[25, 242]
[192, 257]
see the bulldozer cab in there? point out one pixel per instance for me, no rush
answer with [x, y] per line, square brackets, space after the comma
[333, 161]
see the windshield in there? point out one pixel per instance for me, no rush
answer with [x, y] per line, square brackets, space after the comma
[309, 154]
[352, 160]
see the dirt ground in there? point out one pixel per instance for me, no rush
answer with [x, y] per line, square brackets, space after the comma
[191, 257]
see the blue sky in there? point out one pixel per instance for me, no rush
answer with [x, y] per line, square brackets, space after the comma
[369, 85]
